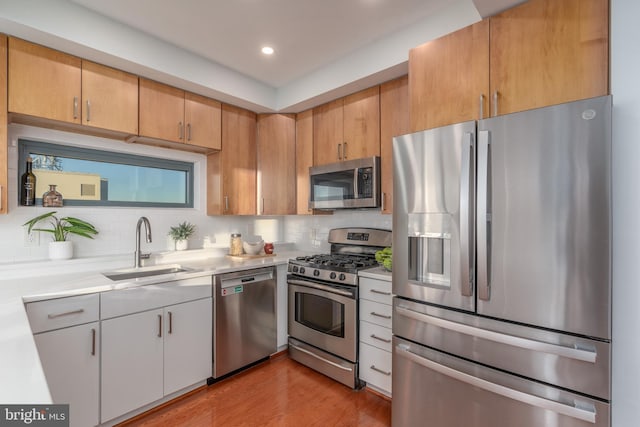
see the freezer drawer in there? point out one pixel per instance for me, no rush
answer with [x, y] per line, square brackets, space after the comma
[571, 362]
[449, 391]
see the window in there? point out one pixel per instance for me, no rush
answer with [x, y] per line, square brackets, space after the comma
[89, 177]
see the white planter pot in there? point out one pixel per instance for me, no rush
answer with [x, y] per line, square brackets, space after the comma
[60, 250]
[182, 245]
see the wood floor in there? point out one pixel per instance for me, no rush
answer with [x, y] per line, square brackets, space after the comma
[279, 392]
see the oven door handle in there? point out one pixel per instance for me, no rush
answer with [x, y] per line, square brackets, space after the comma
[322, 359]
[318, 286]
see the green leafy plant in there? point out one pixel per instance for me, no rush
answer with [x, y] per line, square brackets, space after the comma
[182, 231]
[61, 227]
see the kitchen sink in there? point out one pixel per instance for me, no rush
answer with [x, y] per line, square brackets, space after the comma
[136, 273]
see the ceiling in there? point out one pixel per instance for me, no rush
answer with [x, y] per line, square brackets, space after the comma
[306, 34]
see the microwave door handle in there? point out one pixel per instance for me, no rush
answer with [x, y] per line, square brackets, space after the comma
[356, 194]
[483, 216]
[466, 216]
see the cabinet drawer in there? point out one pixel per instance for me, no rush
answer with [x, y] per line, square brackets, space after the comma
[375, 312]
[63, 312]
[375, 335]
[142, 298]
[375, 290]
[375, 367]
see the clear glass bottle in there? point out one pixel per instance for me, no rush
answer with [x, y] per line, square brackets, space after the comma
[52, 199]
[28, 186]
[235, 245]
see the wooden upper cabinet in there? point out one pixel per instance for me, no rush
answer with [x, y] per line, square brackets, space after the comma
[231, 172]
[304, 160]
[547, 52]
[394, 121]
[161, 111]
[203, 118]
[109, 98]
[44, 82]
[449, 78]
[4, 179]
[276, 151]
[347, 128]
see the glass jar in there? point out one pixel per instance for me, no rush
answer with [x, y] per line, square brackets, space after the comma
[235, 245]
[52, 199]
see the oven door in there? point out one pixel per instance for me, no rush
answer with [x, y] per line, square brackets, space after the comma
[324, 316]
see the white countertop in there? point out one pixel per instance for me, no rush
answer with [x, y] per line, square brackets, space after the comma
[22, 379]
[376, 273]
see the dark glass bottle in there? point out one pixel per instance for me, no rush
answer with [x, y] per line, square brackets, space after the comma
[28, 186]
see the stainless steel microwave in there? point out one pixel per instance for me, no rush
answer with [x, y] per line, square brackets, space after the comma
[344, 185]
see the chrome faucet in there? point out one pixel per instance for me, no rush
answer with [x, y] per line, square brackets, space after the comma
[140, 256]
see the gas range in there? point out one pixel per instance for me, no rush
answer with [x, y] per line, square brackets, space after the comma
[352, 250]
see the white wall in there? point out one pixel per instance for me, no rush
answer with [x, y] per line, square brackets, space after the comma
[117, 225]
[625, 86]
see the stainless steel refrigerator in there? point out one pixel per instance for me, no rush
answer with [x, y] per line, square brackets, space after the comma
[502, 271]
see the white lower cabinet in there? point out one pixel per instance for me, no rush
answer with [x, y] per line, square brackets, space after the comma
[70, 359]
[375, 301]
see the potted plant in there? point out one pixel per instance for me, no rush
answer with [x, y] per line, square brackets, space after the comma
[60, 247]
[181, 233]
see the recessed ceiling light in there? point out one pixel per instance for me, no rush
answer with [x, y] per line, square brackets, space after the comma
[267, 50]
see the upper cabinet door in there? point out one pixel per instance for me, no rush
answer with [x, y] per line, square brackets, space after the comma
[109, 98]
[203, 118]
[276, 164]
[327, 133]
[161, 111]
[449, 78]
[547, 52]
[44, 82]
[361, 124]
[304, 160]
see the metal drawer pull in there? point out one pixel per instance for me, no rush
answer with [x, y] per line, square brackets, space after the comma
[170, 322]
[159, 325]
[375, 291]
[384, 316]
[375, 337]
[509, 393]
[66, 313]
[344, 368]
[180, 131]
[88, 111]
[75, 107]
[188, 131]
[387, 373]
[527, 344]
[93, 342]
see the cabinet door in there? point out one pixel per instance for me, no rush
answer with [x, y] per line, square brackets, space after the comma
[203, 118]
[276, 164]
[327, 133]
[109, 98]
[449, 78]
[70, 359]
[132, 362]
[161, 111]
[239, 166]
[43, 82]
[304, 160]
[187, 344]
[4, 195]
[394, 121]
[361, 124]
[547, 52]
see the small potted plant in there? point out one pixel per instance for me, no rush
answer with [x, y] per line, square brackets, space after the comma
[60, 247]
[181, 233]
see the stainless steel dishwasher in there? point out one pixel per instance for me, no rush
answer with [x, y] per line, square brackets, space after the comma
[244, 319]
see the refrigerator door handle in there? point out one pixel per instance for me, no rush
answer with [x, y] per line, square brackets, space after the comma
[513, 341]
[466, 216]
[483, 217]
[529, 399]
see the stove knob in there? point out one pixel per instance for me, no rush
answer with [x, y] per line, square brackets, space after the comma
[294, 268]
[316, 273]
[332, 276]
[301, 270]
[342, 276]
